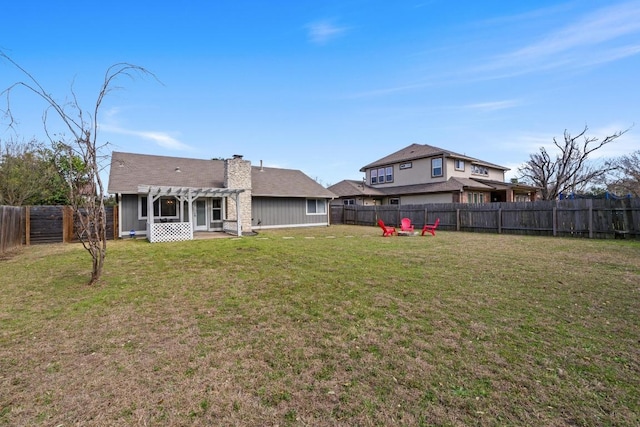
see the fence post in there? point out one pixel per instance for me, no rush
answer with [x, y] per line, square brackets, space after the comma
[590, 220]
[27, 225]
[499, 220]
[554, 219]
[457, 219]
[116, 221]
[67, 224]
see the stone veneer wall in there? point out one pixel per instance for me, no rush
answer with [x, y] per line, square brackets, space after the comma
[237, 174]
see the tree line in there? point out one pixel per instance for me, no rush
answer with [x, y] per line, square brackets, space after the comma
[32, 173]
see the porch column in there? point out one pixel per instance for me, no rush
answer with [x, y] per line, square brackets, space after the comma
[150, 216]
[181, 201]
[239, 214]
[190, 204]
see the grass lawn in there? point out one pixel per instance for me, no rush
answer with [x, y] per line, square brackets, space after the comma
[324, 327]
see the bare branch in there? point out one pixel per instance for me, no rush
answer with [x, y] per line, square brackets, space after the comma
[82, 153]
[571, 170]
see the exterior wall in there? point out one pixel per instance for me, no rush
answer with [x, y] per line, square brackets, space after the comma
[471, 196]
[450, 168]
[129, 216]
[237, 175]
[271, 212]
[494, 175]
[420, 199]
[362, 201]
[419, 172]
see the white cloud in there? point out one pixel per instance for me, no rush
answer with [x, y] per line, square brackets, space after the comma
[585, 42]
[162, 139]
[493, 106]
[321, 32]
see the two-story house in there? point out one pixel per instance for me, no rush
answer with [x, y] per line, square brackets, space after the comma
[420, 174]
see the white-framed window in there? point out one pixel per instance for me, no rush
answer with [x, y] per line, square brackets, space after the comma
[459, 164]
[436, 167]
[316, 206]
[394, 201]
[349, 201]
[475, 197]
[479, 170]
[163, 208]
[216, 209]
[382, 175]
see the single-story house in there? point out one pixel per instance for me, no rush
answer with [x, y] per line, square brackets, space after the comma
[169, 198]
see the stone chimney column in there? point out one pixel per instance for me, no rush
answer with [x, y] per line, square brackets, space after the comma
[237, 175]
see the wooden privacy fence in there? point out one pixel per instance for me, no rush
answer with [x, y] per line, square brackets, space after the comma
[11, 227]
[592, 218]
[47, 224]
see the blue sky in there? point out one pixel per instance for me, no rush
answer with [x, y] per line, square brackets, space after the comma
[329, 86]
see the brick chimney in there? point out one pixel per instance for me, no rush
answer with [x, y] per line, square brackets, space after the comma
[237, 175]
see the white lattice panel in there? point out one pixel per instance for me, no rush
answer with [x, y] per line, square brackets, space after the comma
[170, 232]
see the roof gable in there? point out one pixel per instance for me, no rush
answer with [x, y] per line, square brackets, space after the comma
[421, 151]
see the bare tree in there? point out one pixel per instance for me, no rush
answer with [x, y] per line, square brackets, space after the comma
[627, 179]
[86, 190]
[571, 169]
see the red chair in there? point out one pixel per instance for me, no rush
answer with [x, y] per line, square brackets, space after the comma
[387, 231]
[405, 225]
[431, 228]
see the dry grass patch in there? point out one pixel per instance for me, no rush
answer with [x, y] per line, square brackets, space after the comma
[324, 326]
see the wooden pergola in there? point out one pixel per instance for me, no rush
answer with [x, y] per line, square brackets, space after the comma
[183, 230]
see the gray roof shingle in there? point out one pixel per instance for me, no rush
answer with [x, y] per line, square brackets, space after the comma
[129, 170]
[420, 151]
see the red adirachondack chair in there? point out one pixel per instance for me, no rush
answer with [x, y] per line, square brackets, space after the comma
[405, 225]
[431, 228]
[386, 231]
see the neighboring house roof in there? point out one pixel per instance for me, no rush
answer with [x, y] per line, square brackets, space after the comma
[129, 170]
[450, 185]
[420, 151]
[354, 188]
[502, 185]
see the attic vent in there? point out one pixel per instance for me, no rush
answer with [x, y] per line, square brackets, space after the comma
[178, 169]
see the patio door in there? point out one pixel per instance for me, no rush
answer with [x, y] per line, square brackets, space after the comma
[216, 214]
[200, 215]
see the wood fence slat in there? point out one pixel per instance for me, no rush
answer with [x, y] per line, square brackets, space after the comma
[592, 218]
[44, 224]
[11, 220]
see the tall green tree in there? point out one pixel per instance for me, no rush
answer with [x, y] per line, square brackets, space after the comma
[28, 175]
